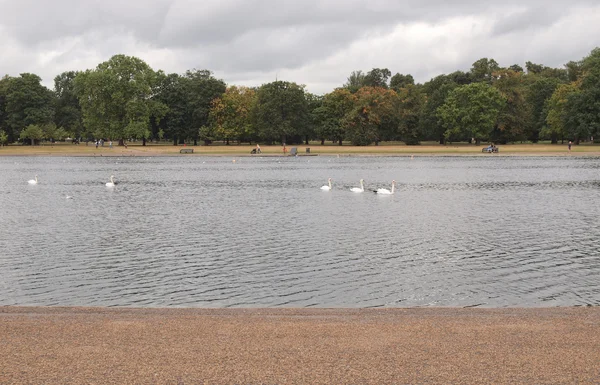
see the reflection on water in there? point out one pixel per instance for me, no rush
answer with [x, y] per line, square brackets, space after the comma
[207, 232]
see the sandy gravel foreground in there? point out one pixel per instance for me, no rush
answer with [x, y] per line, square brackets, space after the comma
[299, 346]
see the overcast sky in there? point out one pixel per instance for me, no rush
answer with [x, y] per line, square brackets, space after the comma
[313, 42]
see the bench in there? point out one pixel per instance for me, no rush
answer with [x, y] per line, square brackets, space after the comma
[186, 151]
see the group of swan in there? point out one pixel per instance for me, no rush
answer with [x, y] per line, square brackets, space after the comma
[382, 191]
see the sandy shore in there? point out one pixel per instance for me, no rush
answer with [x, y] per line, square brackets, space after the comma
[327, 150]
[299, 346]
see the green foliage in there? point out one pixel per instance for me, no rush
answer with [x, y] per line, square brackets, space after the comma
[281, 110]
[537, 96]
[27, 103]
[331, 113]
[3, 138]
[373, 107]
[471, 111]
[514, 116]
[202, 89]
[229, 115]
[117, 98]
[377, 77]
[558, 118]
[399, 81]
[67, 109]
[355, 81]
[411, 102]
[483, 69]
[32, 132]
[437, 90]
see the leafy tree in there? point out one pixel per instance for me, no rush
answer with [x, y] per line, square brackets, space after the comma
[355, 81]
[331, 113]
[437, 90]
[372, 108]
[574, 70]
[67, 109]
[411, 102]
[471, 111]
[516, 68]
[3, 94]
[533, 68]
[537, 96]
[27, 103]
[558, 118]
[32, 132]
[118, 98]
[514, 116]
[3, 138]
[314, 102]
[399, 81]
[281, 111]
[202, 89]
[483, 69]
[173, 91]
[230, 114]
[377, 77]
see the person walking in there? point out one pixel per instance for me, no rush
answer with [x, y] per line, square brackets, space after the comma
[257, 148]
[570, 143]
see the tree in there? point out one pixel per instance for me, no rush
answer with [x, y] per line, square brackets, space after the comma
[558, 119]
[202, 88]
[32, 132]
[471, 111]
[436, 90]
[281, 111]
[67, 110]
[399, 81]
[373, 107]
[331, 113]
[230, 114]
[516, 68]
[377, 77]
[537, 96]
[173, 91]
[514, 116]
[411, 102]
[314, 102]
[3, 138]
[118, 98]
[27, 103]
[355, 81]
[483, 69]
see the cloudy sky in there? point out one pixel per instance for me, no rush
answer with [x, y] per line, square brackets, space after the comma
[313, 42]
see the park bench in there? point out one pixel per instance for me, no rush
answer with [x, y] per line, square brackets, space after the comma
[186, 151]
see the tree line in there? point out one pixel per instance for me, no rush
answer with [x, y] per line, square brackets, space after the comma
[124, 98]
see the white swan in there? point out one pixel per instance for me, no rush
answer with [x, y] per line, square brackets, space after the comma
[327, 188]
[33, 181]
[384, 191]
[111, 183]
[359, 189]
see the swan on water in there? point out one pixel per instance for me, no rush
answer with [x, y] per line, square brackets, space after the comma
[111, 183]
[384, 191]
[358, 189]
[33, 181]
[327, 188]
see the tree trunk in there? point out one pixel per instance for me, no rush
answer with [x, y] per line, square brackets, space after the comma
[442, 139]
[195, 141]
[554, 139]
[227, 141]
[121, 142]
[306, 140]
[143, 141]
[322, 142]
[477, 141]
[175, 141]
[340, 142]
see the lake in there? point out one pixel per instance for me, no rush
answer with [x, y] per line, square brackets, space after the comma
[258, 232]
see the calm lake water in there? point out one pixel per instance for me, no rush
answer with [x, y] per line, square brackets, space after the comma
[207, 232]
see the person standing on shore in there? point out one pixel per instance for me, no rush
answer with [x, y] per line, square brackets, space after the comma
[257, 148]
[570, 143]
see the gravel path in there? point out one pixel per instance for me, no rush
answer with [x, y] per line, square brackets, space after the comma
[41, 345]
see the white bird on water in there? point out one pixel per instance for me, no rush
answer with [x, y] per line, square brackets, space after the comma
[111, 183]
[327, 188]
[359, 189]
[33, 181]
[384, 191]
